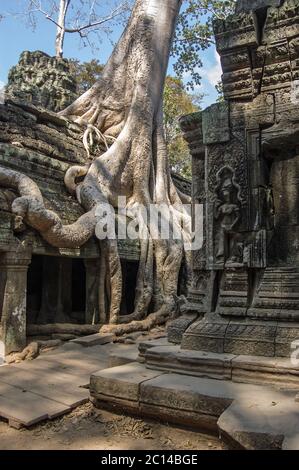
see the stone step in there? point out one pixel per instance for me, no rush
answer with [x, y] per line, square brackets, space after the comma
[251, 416]
[51, 385]
[276, 371]
[93, 340]
[145, 345]
[123, 355]
[23, 408]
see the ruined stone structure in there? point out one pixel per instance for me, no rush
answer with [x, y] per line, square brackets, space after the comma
[40, 284]
[227, 364]
[246, 169]
[42, 80]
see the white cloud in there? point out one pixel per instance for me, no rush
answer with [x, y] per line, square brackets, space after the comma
[213, 73]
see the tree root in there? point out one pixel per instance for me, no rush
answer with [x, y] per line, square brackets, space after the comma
[62, 328]
[153, 319]
[32, 351]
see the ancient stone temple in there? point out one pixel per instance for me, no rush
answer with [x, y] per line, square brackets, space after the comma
[40, 284]
[228, 364]
[42, 80]
[245, 165]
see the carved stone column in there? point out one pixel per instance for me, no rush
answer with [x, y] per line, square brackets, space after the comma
[92, 291]
[13, 289]
[191, 126]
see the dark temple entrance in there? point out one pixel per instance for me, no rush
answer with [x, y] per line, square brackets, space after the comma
[129, 272]
[56, 290]
[78, 290]
[34, 288]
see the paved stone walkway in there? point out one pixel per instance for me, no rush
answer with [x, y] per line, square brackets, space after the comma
[253, 417]
[55, 382]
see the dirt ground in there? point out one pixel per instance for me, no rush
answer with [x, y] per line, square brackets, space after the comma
[88, 428]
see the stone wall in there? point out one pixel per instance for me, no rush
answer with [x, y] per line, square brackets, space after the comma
[42, 80]
[246, 172]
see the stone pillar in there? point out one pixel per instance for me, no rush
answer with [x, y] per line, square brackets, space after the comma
[13, 290]
[92, 291]
[191, 127]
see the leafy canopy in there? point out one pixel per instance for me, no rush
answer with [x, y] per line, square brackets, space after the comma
[194, 33]
[178, 102]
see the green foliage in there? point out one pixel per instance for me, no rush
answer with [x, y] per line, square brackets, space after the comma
[177, 102]
[194, 34]
[219, 89]
[86, 73]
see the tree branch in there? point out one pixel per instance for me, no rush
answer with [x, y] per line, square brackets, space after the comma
[116, 12]
[196, 38]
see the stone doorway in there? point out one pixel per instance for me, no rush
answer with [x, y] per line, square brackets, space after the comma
[56, 290]
[129, 272]
[34, 288]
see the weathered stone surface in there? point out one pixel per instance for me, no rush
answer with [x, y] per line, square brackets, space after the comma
[197, 363]
[251, 416]
[250, 338]
[215, 124]
[249, 187]
[13, 284]
[196, 395]
[145, 345]
[42, 80]
[261, 422]
[124, 355]
[93, 340]
[122, 382]
[251, 5]
[206, 335]
[279, 372]
[52, 384]
[27, 408]
[178, 327]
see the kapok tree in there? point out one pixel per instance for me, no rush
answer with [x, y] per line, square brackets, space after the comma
[125, 107]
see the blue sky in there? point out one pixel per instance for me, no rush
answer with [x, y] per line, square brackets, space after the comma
[16, 36]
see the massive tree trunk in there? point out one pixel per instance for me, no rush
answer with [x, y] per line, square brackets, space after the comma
[125, 108]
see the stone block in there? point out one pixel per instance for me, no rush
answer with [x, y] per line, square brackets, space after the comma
[145, 345]
[215, 124]
[177, 328]
[27, 408]
[287, 339]
[124, 356]
[244, 6]
[195, 363]
[276, 371]
[206, 335]
[121, 382]
[93, 340]
[250, 338]
[262, 420]
[195, 394]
